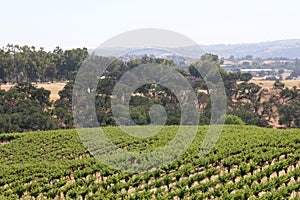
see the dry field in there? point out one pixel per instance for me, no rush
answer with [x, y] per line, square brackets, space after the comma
[269, 84]
[54, 88]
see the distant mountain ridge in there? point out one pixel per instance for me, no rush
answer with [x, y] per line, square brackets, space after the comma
[279, 48]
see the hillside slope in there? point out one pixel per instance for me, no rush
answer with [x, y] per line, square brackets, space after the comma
[279, 48]
[270, 49]
[247, 162]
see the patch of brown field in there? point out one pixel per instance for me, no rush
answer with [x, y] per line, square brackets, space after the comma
[242, 61]
[54, 88]
[269, 84]
[268, 61]
[286, 74]
[228, 62]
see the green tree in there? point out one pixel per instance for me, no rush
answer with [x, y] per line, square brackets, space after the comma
[232, 119]
[25, 108]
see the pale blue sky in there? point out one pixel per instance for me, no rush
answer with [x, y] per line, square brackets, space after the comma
[74, 23]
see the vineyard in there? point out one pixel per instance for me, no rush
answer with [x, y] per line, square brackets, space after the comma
[247, 163]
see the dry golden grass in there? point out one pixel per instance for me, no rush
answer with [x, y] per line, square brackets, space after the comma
[228, 62]
[269, 84]
[54, 88]
[286, 74]
[269, 61]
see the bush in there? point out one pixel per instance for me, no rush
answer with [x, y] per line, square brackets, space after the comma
[232, 119]
[250, 118]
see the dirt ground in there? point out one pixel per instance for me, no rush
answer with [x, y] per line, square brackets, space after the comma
[54, 88]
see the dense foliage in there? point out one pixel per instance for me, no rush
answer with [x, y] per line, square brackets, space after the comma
[248, 101]
[247, 162]
[26, 108]
[27, 64]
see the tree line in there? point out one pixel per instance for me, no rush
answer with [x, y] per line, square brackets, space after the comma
[27, 108]
[19, 64]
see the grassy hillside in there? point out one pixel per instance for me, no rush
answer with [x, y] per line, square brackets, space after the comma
[247, 162]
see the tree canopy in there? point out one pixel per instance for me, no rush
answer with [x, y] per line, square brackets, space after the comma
[27, 108]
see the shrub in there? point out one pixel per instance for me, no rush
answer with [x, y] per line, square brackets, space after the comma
[232, 119]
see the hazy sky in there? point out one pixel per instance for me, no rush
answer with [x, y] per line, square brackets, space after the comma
[78, 23]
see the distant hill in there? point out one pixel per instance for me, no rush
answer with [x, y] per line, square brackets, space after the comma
[270, 49]
[186, 51]
[280, 48]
